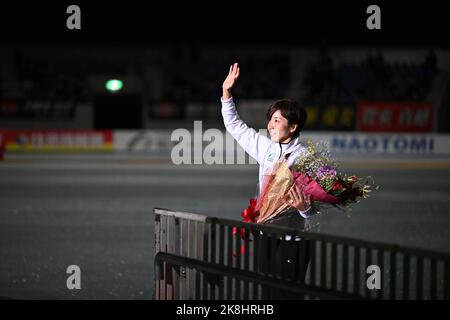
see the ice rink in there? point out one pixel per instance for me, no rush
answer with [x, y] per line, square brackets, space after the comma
[97, 213]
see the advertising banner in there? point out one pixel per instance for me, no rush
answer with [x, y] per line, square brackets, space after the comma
[38, 109]
[383, 144]
[58, 140]
[2, 146]
[337, 117]
[394, 117]
[342, 142]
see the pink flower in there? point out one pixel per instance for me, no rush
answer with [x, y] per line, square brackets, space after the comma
[313, 189]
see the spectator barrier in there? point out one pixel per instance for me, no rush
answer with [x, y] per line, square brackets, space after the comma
[201, 257]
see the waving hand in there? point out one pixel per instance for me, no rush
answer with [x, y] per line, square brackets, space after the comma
[230, 80]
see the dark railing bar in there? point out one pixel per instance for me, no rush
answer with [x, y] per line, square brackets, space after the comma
[212, 257]
[180, 214]
[392, 275]
[211, 249]
[446, 280]
[255, 286]
[334, 266]
[356, 270]
[419, 279]
[183, 248]
[301, 254]
[368, 262]
[323, 265]
[168, 277]
[197, 277]
[246, 263]
[313, 236]
[274, 263]
[221, 257]
[345, 263]
[406, 280]
[433, 279]
[237, 282]
[158, 272]
[176, 250]
[229, 259]
[313, 264]
[250, 276]
[309, 235]
[380, 262]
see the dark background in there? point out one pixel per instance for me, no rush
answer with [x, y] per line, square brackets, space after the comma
[404, 23]
[95, 211]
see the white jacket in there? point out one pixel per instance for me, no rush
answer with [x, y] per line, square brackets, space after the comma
[259, 147]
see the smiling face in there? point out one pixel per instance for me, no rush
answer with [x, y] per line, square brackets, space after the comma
[279, 128]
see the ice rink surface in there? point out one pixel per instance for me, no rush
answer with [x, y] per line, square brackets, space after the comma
[98, 214]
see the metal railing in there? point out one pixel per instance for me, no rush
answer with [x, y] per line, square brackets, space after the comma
[200, 257]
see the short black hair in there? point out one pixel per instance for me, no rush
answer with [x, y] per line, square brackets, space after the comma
[292, 111]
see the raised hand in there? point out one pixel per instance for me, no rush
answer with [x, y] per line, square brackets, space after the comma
[230, 80]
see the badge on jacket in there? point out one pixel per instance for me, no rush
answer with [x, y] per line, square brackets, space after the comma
[270, 157]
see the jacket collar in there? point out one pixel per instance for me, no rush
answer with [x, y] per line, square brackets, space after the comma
[289, 147]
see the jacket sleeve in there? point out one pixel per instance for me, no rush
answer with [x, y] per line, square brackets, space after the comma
[311, 211]
[254, 143]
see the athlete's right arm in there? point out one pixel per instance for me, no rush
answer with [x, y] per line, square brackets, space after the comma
[254, 143]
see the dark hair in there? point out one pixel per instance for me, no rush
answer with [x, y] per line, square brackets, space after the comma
[292, 111]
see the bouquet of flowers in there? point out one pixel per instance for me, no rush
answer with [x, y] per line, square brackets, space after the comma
[315, 174]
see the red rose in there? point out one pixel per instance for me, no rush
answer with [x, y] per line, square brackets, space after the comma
[337, 186]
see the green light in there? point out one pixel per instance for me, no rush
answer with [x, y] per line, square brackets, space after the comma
[114, 85]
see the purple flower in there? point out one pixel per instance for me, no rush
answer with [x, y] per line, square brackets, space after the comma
[326, 171]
